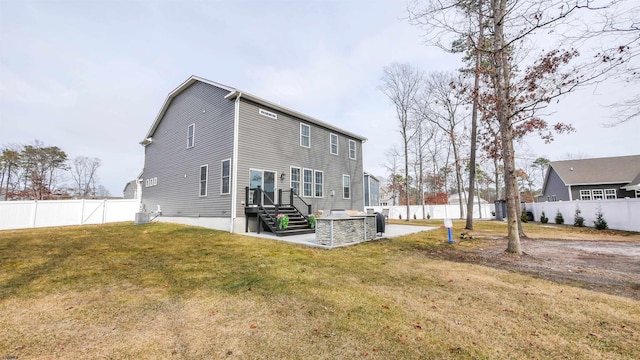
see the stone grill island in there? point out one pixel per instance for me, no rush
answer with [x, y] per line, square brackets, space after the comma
[339, 228]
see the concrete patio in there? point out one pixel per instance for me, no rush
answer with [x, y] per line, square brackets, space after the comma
[391, 231]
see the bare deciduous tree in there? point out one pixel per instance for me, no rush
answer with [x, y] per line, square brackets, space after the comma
[401, 84]
[441, 105]
[84, 172]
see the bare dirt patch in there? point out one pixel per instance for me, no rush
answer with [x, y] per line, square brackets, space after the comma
[611, 266]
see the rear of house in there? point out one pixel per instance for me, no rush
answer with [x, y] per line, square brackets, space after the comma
[210, 143]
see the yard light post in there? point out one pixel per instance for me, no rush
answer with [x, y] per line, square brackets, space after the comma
[449, 224]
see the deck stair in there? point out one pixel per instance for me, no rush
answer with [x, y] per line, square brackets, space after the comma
[298, 223]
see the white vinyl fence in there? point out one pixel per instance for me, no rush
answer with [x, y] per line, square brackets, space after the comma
[435, 211]
[620, 214]
[43, 213]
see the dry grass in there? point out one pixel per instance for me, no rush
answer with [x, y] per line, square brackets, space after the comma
[168, 291]
[535, 230]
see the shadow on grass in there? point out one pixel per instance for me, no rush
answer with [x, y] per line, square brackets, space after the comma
[21, 250]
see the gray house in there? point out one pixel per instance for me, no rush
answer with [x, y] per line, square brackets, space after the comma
[592, 179]
[131, 190]
[218, 157]
[371, 190]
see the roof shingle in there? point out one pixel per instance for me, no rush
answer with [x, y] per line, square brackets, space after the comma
[609, 170]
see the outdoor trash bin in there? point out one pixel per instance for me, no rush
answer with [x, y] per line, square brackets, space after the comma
[379, 223]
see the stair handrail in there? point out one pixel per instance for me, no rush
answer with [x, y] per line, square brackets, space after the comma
[291, 203]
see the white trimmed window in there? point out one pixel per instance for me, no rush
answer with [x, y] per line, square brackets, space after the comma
[610, 194]
[191, 135]
[637, 194]
[346, 187]
[307, 183]
[204, 178]
[585, 194]
[333, 144]
[225, 186]
[295, 180]
[352, 149]
[319, 183]
[305, 135]
[597, 194]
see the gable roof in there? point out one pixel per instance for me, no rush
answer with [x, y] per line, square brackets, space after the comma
[634, 184]
[609, 170]
[233, 93]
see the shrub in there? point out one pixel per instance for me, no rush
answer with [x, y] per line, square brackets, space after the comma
[283, 221]
[578, 220]
[312, 221]
[543, 218]
[559, 218]
[524, 217]
[600, 223]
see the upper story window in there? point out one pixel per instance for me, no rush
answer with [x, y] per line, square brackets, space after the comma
[225, 186]
[295, 180]
[191, 133]
[352, 149]
[305, 135]
[346, 187]
[204, 178]
[333, 143]
[610, 194]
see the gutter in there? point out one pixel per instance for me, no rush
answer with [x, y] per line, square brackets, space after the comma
[234, 161]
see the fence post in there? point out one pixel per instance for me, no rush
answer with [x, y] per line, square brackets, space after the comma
[34, 213]
[82, 212]
[104, 211]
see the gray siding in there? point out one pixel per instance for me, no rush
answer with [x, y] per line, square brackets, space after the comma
[371, 191]
[274, 145]
[555, 186]
[129, 191]
[176, 167]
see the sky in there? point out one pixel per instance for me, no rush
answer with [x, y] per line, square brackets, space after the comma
[91, 76]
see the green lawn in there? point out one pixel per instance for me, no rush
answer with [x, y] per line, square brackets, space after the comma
[169, 291]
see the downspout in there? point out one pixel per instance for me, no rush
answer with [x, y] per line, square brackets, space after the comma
[234, 161]
[570, 196]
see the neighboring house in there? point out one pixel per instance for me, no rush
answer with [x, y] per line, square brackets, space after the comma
[387, 198]
[214, 153]
[592, 179]
[371, 190]
[131, 190]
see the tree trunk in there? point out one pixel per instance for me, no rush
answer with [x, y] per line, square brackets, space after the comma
[421, 164]
[456, 159]
[406, 177]
[502, 84]
[497, 178]
[474, 122]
